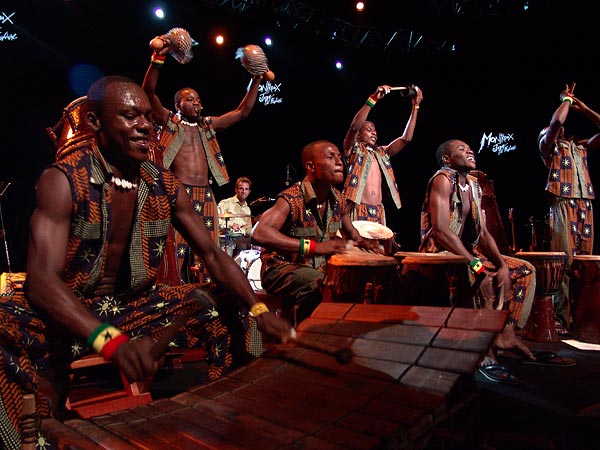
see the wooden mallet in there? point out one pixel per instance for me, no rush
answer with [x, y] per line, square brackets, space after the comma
[342, 355]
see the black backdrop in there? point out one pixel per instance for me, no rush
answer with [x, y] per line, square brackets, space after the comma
[505, 76]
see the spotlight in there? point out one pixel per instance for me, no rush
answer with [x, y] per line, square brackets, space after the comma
[268, 41]
[219, 39]
[360, 6]
[159, 13]
[339, 65]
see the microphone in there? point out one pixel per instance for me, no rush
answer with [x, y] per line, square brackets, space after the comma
[287, 175]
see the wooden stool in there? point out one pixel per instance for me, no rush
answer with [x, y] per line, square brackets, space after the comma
[87, 399]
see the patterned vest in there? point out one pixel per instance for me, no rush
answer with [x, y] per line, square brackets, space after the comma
[89, 175]
[568, 174]
[301, 223]
[171, 138]
[359, 164]
[470, 236]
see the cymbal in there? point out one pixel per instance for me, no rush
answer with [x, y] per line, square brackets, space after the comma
[228, 215]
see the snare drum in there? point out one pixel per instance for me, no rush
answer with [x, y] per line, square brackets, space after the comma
[359, 276]
[250, 263]
[549, 271]
[584, 297]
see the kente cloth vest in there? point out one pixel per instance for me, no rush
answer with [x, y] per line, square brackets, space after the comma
[358, 169]
[302, 223]
[89, 176]
[470, 237]
[568, 174]
[171, 138]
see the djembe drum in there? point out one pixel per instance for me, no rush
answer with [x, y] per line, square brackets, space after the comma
[584, 297]
[437, 279]
[359, 276]
[550, 269]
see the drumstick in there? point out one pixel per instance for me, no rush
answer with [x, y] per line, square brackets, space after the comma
[342, 355]
[398, 88]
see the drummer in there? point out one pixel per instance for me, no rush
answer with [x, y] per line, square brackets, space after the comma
[298, 232]
[235, 216]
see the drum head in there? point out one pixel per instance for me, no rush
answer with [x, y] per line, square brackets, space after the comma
[245, 259]
[372, 230]
[254, 274]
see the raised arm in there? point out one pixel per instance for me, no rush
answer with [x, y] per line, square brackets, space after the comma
[361, 117]
[588, 112]
[157, 60]
[242, 111]
[399, 143]
[557, 121]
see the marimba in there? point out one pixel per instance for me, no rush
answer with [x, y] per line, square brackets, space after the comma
[412, 367]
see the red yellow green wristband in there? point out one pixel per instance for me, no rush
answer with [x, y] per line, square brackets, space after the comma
[157, 60]
[103, 337]
[111, 346]
[477, 266]
[566, 98]
[371, 101]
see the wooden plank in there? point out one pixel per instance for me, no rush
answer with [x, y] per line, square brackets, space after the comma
[415, 315]
[467, 340]
[64, 437]
[348, 438]
[429, 379]
[450, 360]
[101, 437]
[478, 319]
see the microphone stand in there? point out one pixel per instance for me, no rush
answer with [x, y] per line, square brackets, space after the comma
[3, 187]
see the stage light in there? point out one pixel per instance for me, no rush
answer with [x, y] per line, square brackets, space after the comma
[159, 13]
[360, 6]
[219, 39]
[268, 41]
[339, 65]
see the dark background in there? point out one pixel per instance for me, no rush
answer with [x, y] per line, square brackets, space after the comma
[504, 76]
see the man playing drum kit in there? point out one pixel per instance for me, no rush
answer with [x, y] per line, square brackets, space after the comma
[298, 232]
[452, 220]
[190, 147]
[235, 219]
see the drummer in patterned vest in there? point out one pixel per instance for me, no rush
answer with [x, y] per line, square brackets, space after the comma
[570, 191]
[298, 232]
[191, 150]
[369, 166]
[452, 220]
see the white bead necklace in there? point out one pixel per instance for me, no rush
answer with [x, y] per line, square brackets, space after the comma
[123, 184]
[464, 188]
[188, 123]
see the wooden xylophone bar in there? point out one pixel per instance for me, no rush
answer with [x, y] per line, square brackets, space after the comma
[412, 368]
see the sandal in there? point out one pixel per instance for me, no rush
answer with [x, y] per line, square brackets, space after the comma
[547, 358]
[498, 374]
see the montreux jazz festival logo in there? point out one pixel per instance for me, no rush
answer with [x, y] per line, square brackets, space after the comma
[6, 20]
[268, 94]
[498, 143]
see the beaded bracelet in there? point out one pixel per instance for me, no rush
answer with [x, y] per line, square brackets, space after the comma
[258, 308]
[371, 101]
[477, 266]
[313, 247]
